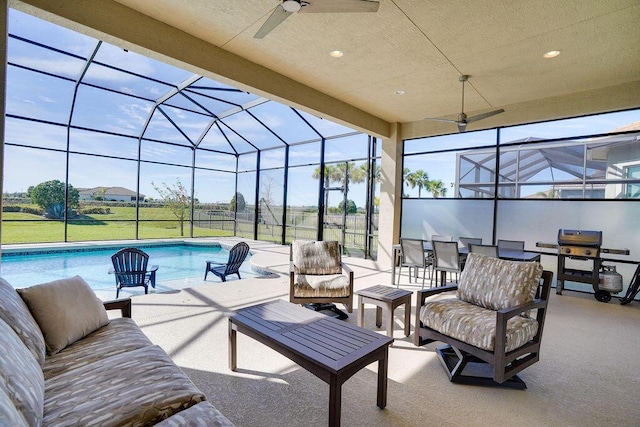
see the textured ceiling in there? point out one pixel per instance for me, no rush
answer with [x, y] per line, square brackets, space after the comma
[422, 46]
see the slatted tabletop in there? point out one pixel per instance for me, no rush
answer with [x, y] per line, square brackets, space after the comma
[331, 349]
[384, 293]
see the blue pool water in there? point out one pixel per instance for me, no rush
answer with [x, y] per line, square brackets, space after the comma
[177, 263]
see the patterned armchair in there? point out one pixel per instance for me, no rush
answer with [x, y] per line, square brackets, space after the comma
[489, 319]
[316, 276]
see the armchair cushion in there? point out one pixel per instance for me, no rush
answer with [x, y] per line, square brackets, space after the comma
[475, 325]
[318, 257]
[325, 281]
[495, 283]
[66, 310]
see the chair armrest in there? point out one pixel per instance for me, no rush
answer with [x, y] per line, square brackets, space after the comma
[154, 268]
[124, 305]
[424, 294]
[508, 313]
[346, 268]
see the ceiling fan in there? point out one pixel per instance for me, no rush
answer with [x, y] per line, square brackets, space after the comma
[462, 117]
[289, 7]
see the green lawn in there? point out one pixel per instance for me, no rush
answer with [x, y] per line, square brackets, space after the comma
[118, 225]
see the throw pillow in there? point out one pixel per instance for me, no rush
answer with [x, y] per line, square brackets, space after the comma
[321, 257]
[496, 283]
[66, 310]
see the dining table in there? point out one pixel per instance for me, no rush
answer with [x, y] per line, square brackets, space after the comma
[508, 254]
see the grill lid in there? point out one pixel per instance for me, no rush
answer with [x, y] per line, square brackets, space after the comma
[580, 237]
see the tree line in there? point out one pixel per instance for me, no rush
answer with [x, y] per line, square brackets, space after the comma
[421, 180]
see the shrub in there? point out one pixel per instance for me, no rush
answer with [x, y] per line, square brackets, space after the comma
[11, 209]
[96, 211]
[32, 210]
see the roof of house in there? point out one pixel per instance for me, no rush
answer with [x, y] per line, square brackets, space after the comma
[111, 191]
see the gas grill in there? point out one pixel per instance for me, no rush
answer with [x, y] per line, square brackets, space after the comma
[585, 246]
[582, 245]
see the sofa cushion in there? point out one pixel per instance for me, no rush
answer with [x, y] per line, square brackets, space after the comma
[20, 377]
[139, 387]
[15, 312]
[119, 336]
[475, 325]
[496, 283]
[66, 310]
[202, 414]
[321, 257]
[9, 415]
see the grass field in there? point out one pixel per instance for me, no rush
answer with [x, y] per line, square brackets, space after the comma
[19, 227]
[160, 223]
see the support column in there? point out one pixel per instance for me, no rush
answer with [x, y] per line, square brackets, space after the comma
[3, 93]
[390, 196]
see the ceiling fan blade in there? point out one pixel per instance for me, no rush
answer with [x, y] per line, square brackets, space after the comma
[275, 19]
[441, 120]
[484, 115]
[340, 6]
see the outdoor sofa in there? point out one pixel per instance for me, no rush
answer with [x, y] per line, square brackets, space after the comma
[66, 363]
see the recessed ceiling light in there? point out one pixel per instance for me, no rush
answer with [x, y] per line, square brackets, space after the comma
[399, 92]
[336, 53]
[551, 54]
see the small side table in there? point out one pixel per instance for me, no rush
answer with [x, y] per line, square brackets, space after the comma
[385, 298]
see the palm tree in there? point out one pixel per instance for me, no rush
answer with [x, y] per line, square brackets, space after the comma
[418, 179]
[336, 174]
[437, 188]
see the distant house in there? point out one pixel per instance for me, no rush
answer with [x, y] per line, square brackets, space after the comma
[112, 194]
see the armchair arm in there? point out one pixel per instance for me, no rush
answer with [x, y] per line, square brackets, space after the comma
[124, 305]
[292, 276]
[424, 294]
[508, 313]
[346, 268]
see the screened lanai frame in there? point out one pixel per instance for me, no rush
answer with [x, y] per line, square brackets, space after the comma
[576, 168]
[166, 135]
[568, 167]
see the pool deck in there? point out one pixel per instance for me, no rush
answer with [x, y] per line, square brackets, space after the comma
[575, 384]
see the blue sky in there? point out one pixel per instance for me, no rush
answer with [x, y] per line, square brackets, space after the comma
[47, 98]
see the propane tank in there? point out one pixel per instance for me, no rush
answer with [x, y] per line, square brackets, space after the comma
[610, 279]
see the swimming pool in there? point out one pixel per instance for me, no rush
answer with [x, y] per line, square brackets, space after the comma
[179, 265]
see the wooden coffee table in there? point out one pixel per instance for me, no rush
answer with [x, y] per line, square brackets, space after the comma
[331, 349]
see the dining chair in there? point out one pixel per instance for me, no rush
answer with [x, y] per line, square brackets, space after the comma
[446, 259]
[463, 246]
[413, 256]
[441, 238]
[464, 242]
[511, 245]
[488, 250]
